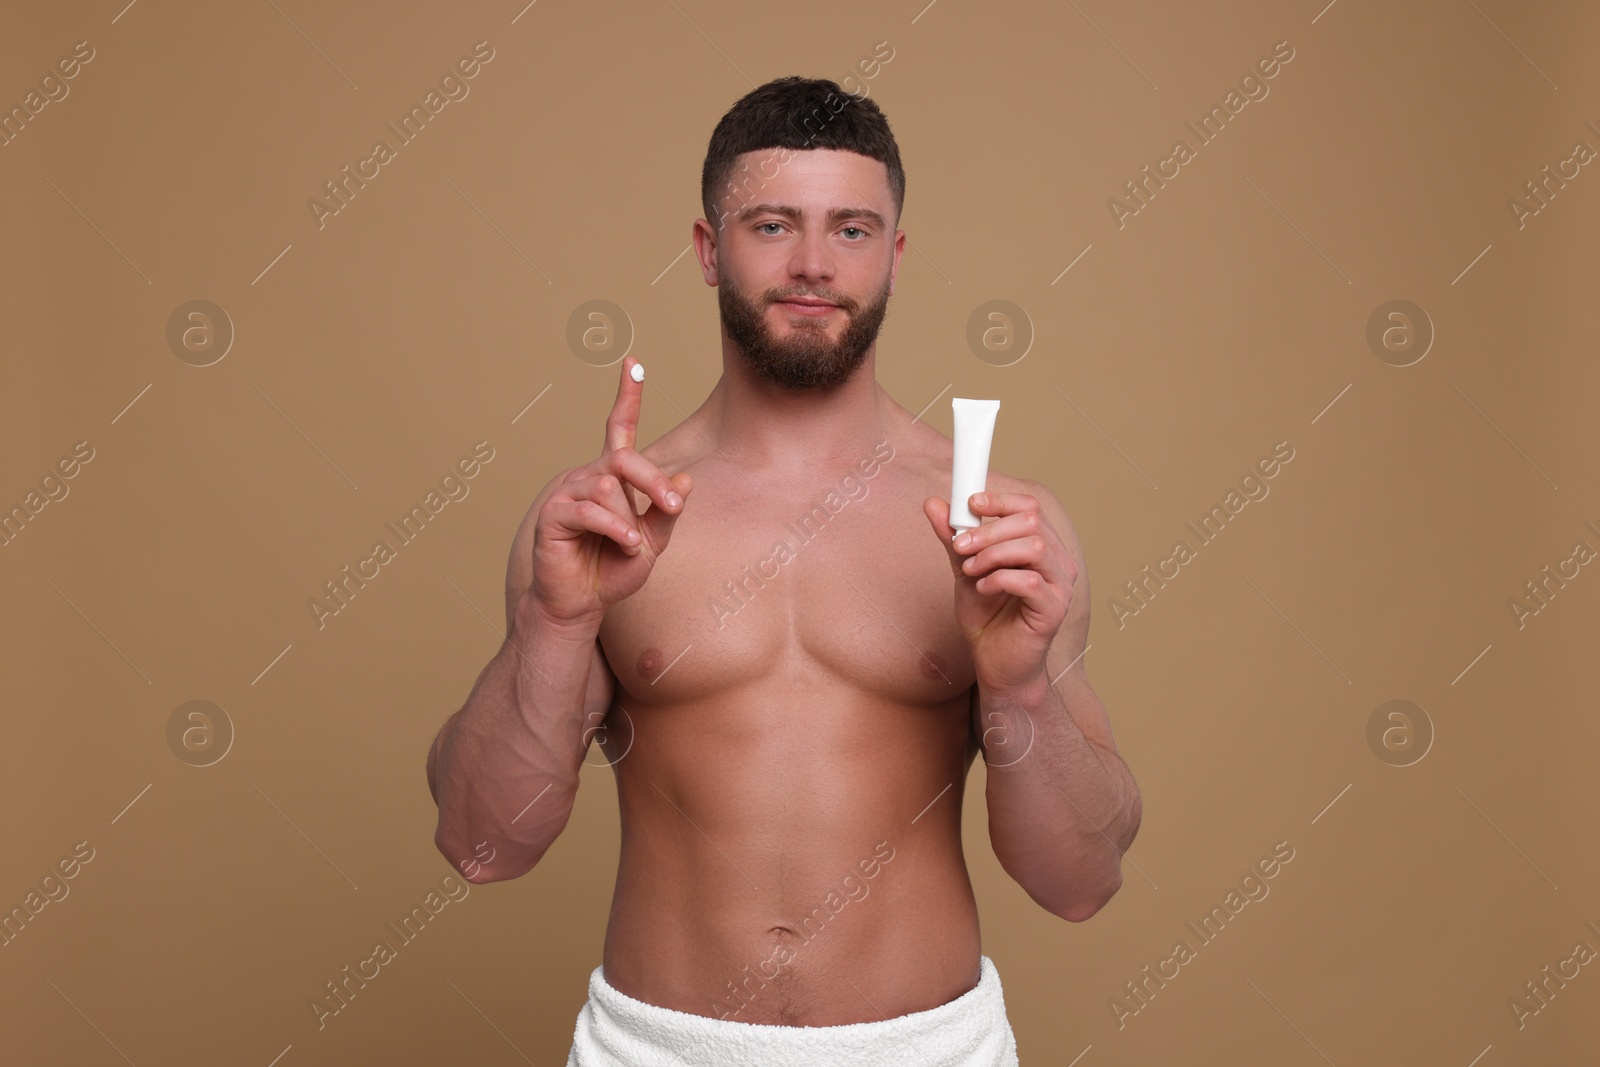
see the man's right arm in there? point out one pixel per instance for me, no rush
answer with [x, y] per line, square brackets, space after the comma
[504, 769]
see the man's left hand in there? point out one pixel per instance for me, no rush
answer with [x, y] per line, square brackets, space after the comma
[1014, 581]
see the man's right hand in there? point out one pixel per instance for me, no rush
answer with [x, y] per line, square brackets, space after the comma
[590, 546]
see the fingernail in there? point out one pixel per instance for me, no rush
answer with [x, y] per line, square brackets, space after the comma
[674, 500]
[980, 499]
[963, 539]
[637, 373]
[633, 537]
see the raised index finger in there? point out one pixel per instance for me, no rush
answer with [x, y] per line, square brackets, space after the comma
[623, 423]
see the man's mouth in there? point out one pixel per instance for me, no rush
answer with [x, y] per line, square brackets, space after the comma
[808, 306]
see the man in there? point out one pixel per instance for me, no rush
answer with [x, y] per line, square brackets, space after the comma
[792, 674]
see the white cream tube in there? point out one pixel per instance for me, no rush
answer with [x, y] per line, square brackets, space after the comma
[969, 469]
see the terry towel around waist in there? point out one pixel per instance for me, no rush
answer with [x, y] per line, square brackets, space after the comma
[615, 1030]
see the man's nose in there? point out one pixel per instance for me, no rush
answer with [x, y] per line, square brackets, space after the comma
[813, 258]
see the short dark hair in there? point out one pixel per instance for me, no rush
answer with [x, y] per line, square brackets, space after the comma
[798, 113]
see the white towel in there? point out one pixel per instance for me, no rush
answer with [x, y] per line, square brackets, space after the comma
[615, 1030]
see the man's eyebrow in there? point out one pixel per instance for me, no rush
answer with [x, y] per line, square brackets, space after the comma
[794, 214]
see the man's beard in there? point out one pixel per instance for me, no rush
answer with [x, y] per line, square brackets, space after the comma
[804, 358]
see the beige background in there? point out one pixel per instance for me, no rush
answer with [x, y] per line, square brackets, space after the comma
[371, 354]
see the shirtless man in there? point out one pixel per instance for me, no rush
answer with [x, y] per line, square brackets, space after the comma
[792, 671]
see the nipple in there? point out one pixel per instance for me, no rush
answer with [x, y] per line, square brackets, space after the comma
[650, 663]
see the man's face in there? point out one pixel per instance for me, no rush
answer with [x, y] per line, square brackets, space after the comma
[819, 229]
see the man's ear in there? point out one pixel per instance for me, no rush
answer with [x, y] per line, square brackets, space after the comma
[705, 238]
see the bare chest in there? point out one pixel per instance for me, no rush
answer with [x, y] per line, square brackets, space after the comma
[838, 589]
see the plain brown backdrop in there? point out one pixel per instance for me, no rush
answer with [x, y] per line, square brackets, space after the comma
[370, 354]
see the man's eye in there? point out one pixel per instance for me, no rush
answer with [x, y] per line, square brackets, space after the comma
[764, 225]
[858, 229]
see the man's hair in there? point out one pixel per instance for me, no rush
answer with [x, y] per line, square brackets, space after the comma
[796, 113]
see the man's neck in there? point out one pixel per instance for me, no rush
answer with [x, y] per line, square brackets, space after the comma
[759, 425]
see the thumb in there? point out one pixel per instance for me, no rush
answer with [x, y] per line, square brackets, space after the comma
[938, 513]
[656, 525]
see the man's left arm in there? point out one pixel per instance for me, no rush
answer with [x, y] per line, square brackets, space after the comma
[1063, 806]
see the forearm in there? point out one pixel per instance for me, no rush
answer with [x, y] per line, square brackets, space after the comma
[505, 768]
[1062, 809]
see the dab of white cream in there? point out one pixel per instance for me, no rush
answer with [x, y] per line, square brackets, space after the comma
[637, 373]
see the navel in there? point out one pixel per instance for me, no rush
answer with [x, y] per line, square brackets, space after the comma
[650, 663]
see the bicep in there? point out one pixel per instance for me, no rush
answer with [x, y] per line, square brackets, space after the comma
[1064, 663]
